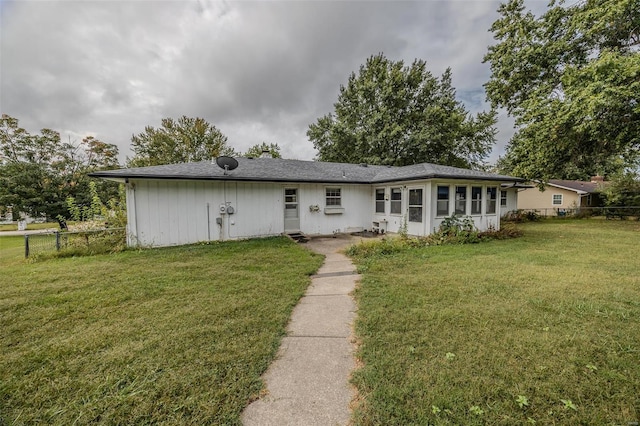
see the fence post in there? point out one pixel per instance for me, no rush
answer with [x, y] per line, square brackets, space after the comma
[57, 241]
[26, 246]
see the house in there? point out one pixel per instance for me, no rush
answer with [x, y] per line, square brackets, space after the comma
[509, 197]
[192, 202]
[559, 196]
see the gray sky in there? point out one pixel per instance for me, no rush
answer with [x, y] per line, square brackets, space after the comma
[258, 71]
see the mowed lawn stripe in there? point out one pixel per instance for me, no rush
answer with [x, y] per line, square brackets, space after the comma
[175, 336]
[543, 328]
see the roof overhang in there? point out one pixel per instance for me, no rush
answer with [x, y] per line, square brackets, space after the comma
[514, 182]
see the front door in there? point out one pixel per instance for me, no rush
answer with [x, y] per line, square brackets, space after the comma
[291, 210]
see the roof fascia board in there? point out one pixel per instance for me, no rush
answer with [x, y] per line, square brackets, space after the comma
[231, 178]
[578, 191]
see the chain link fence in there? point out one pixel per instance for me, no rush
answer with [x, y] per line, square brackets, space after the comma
[81, 242]
[631, 212]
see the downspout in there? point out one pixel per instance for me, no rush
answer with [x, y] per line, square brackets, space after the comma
[132, 216]
[208, 223]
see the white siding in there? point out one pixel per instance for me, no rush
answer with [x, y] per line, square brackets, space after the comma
[512, 201]
[168, 212]
[355, 202]
[172, 212]
[387, 221]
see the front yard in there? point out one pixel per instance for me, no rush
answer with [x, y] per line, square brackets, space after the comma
[544, 329]
[172, 336]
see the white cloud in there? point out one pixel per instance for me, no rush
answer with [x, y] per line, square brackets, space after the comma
[259, 71]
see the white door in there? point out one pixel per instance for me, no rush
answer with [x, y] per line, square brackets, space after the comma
[291, 210]
[415, 216]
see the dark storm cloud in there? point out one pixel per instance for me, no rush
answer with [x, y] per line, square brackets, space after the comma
[259, 71]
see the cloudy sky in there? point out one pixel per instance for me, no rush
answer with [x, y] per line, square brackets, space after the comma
[257, 70]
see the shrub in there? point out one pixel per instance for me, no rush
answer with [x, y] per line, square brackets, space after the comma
[455, 230]
[452, 230]
[519, 216]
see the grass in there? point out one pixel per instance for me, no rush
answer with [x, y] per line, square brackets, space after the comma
[541, 329]
[173, 336]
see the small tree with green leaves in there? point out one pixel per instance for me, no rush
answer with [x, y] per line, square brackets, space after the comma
[256, 150]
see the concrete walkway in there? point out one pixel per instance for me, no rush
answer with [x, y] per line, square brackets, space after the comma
[308, 383]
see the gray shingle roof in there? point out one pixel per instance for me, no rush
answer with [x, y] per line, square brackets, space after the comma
[281, 170]
[577, 185]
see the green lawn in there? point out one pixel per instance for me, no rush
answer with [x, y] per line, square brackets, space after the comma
[544, 329]
[166, 336]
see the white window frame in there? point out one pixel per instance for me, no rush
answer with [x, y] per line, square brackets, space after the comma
[492, 203]
[383, 200]
[457, 211]
[447, 202]
[333, 194]
[416, 206]
[553, 199]
[503, 198]
[395, 203]
[476, 203]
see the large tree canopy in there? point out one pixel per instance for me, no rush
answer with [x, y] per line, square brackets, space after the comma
[182, 141]
[39, 172]
[394, 114]
[571, 79]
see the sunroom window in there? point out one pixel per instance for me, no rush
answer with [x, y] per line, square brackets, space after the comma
[492, 194]
[442, 205]
[396, 200]
[380, 200]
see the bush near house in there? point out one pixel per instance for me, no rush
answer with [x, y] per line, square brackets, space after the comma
[541, 329]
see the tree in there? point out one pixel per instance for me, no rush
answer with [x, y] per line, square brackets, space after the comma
[570, 79]
[623, 191]
[394, 114]
[39, 172]
[256, 150]
[181, 141]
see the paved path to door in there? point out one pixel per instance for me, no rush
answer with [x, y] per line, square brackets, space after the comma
[308, 383]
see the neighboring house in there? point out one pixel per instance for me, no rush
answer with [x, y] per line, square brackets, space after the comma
[562, 195]
[193, 202]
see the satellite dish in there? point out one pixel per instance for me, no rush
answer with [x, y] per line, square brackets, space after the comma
[226, 163]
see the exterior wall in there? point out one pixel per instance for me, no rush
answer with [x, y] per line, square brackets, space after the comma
[351, 216]
[172, 212]
[169, 212]
[534, 199]
[483, 220]
[512, 201]
[393, 222]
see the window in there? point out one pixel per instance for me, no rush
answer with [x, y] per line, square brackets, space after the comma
[380, 200]
[492, 193]
[396, 201]
[290, 195]
[333, 197]
[476, 200]
[291, 203]
[442, 205]
[415, 205]
[461, 200]
[557, 199]
[503, 198]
